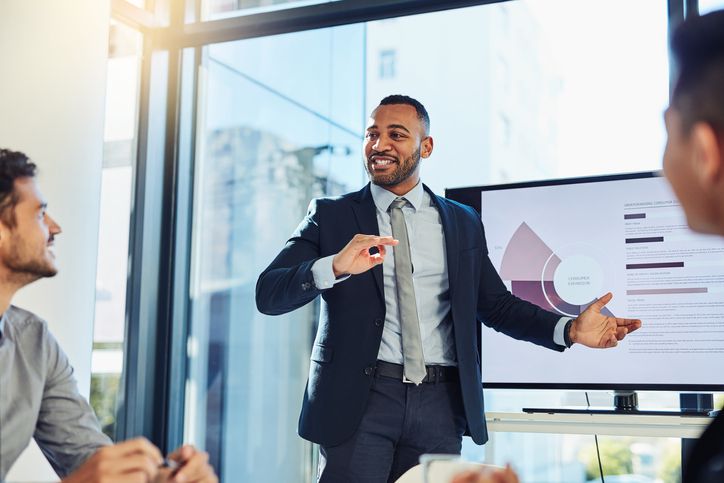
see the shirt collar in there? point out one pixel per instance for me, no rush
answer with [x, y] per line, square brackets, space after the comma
[383, 198]
[2, 324]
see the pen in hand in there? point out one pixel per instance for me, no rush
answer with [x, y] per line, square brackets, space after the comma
[173, 465]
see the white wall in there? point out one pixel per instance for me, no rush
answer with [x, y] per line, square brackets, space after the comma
[52, 87]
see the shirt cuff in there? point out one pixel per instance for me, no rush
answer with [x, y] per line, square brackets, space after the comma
[558, 337]
[324, 274]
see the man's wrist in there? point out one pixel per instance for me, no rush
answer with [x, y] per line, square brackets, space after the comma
[569, 333]
[322, 273]
[335, 272]
[338, 274]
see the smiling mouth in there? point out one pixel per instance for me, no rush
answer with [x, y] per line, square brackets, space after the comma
[380, 162]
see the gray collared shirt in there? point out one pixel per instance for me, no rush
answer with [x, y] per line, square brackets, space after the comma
[39, 397]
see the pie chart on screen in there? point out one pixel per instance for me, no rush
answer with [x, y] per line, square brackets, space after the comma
[566, 281]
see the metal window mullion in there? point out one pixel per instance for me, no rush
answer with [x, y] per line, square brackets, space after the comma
[154, 372]
[178, 329]
[133, 16]
[139, 379]
[331, 14]
[166, 324]
[692, 8]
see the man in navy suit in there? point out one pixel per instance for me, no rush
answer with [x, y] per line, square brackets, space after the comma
[395, 368]
[694, 164]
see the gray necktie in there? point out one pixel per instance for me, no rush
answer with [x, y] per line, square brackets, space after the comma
[411, 341]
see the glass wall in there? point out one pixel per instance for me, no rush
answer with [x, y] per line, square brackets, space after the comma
[516, 91]
[574, 458]
[281, 123]
[119, 155]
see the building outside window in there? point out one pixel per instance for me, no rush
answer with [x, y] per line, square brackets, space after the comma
[387, 64]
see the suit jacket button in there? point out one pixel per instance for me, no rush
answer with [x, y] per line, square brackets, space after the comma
[306, 285]
[368, 371]
[379, 322]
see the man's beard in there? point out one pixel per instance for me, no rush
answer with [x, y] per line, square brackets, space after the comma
[403, 170]
[25, 268]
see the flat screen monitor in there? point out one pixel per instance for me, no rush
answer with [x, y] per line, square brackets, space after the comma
[562, 243]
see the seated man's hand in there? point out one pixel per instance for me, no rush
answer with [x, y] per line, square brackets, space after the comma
[487, 475]
[193, 467]
[133, 461]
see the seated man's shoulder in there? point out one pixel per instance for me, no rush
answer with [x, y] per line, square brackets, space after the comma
[32, 340]
[23, 323]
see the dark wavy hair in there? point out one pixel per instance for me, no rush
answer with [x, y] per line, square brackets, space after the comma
[698, 47]
[13, 165]
[409, 101]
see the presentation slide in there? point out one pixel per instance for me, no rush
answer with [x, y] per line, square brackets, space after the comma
[563, 246]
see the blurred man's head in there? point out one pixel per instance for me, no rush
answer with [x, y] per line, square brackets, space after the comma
[694, 157]
[26, 230]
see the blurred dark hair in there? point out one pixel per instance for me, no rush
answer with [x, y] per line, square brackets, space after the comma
[13, 165]
[698, 47]
[421, 111]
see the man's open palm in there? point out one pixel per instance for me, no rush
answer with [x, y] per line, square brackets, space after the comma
[594, 329]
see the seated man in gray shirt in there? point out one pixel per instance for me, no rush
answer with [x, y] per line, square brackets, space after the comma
[38, 393]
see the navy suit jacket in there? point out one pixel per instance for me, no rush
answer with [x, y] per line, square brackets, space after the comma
[353, 311]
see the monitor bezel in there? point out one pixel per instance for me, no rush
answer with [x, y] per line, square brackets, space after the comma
[471, 196]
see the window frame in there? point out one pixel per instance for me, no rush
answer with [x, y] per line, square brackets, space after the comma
[158, 300]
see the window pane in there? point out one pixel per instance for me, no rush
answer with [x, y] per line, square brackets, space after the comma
[519, 93]
[706, 6]
[213, 9]
[282, 122]
[573, 458]
[515, 91]
[115, 212]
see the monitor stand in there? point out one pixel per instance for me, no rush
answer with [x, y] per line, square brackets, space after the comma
[627, 402]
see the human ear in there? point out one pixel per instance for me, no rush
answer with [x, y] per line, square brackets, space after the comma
[426, 148]
[706, 153]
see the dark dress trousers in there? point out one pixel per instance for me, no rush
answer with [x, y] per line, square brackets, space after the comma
[353, 311]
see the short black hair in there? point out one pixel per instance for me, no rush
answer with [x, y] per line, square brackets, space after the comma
[421, 111]
[13, 165]
[698, 48]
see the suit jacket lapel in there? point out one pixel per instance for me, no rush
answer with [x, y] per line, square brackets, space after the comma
[366, 214]
[449, 228]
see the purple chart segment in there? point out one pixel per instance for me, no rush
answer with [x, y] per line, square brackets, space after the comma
[525, 256]
[535, 271]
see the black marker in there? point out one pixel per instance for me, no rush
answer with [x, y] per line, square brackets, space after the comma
[169, 463]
